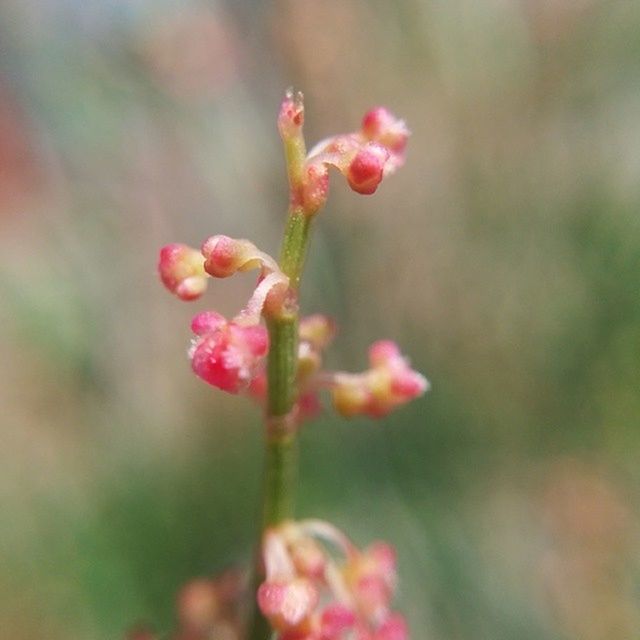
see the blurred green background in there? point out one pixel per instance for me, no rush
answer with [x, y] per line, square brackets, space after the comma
[505, 258]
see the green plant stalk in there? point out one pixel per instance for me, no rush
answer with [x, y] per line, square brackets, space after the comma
[281, 459]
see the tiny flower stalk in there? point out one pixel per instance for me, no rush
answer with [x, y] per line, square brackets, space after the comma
[302, 593]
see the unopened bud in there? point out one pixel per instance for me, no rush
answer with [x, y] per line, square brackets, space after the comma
[367, 168]
[287, 603]
[181, 270]
[229, 356]
[335, 620]
[380, 125]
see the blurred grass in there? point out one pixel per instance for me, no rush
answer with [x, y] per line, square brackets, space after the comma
[505, 258]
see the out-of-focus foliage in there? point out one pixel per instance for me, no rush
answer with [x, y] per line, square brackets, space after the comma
[505, 257]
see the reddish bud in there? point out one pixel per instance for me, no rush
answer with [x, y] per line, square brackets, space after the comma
[380, 125]
[228, 356]
[223, 256]
[181, 270]
[367, 169]
[287, 603]
[207, 321]
[335, 619]
[393, 628]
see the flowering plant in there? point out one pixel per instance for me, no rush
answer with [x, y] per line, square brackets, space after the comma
[312, 582]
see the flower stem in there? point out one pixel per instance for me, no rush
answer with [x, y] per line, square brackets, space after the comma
[281, 459]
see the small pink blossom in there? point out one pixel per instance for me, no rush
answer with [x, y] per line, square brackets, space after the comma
[225, 354]
[287, 603]
[393, 628]
[380, 125]
[366, 170]
[225, 256]
[181, 270]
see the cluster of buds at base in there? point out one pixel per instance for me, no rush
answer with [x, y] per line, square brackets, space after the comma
[320, 586]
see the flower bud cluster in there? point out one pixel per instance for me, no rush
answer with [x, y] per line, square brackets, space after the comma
[388, 383]
[364, 156]
[311, 592]
[229, 354]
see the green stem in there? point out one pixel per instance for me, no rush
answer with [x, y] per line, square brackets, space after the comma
[281, 460]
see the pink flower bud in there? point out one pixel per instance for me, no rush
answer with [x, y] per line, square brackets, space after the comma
[225, 256]
[366, 170]
[207, 321]
[229, 355]
[336, 619]
[382, 351]
[287, 603]
[291, 116]
[181, 270]
[318, 330]
[380, 125]
[389, 383]
[393, 628]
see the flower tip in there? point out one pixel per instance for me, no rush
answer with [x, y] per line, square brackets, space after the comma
[291, 115]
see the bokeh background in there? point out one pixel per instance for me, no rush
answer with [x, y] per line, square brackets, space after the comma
[505, 257]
